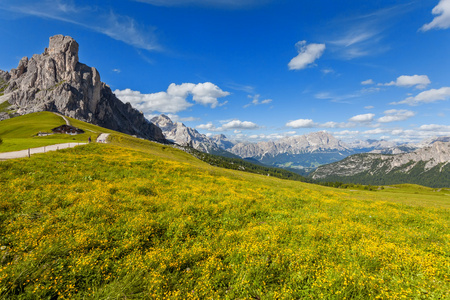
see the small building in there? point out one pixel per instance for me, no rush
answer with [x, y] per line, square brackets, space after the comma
[67, 129]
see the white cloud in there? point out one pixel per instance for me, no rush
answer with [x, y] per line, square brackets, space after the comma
[308, 123]
[423, 132]
[177, 118]
[116, 70]
[327, 71]
[336, 98]
[369, 107]
[207, 93]
[270, 137]
[357, 35]
[367, 82]
[256, 100]
[419, 81]
[376, 131]
[357, 39]
[364, 118]
[209, 126]
[394, 115]
[429, 96]
[125, 29]
[240, 87]
[435, 128]
[307, 54]
[442, 20]
[118, 27]
[188, 119]
[175, 98]
[346, 97]
[347, 132]
[236, 125]
[331, 124]
[301, 123]
[161, 102]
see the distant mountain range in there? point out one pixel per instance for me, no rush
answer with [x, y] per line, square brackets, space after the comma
[428, 166]
[301, 153]
[365, 162]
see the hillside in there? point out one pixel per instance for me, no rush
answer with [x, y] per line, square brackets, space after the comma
[21, 132]
[427, 166]
[136, 219]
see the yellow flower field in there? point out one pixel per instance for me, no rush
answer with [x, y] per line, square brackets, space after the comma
[111, 222]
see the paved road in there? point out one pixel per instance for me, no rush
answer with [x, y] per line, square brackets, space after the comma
[24, 153]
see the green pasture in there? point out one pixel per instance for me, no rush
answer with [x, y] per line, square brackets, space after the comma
[20, 133]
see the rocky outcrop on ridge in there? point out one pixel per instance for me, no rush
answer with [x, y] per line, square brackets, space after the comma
[222, 141]
[56, 81]
[185, 136]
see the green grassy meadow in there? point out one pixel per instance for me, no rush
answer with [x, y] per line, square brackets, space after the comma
[20, 133]
[138, 220]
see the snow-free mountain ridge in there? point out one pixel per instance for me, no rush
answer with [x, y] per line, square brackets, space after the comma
[56, 81]
[182, 135]
[428, 164]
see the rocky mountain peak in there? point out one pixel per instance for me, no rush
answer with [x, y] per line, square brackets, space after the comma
[163, 122]
[182, 135]
[62, 44]
[56, 81]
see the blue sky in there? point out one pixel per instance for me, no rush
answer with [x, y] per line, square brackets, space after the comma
[259, 69]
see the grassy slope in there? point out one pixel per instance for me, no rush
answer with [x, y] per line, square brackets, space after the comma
[19, 133]
[135, 219]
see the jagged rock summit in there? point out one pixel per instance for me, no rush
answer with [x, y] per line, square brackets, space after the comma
[182, 135]
[56, 81]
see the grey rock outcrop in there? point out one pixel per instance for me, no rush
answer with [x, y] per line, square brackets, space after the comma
[222, 141]
[185, 136]
[56, 81]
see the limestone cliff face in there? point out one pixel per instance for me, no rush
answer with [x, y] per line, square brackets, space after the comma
[310, 143]
[56, 81]
[185, 136]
